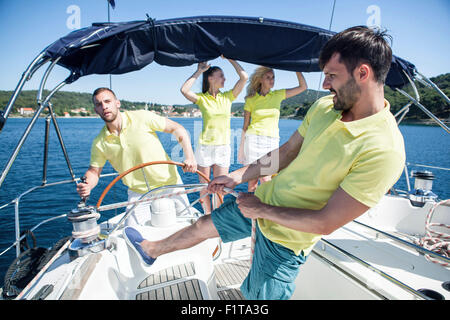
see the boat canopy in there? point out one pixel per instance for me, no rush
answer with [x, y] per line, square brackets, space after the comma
[117, 48]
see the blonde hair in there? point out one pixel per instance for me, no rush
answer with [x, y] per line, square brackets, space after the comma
[254, 85]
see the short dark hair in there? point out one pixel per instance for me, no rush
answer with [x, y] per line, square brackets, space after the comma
[360, 44]
[100, 90]
[206, 74]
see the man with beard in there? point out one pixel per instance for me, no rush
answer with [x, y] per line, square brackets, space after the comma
[343, 158]
[128, 139]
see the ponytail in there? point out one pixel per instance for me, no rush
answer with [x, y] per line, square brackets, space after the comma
[206, 74]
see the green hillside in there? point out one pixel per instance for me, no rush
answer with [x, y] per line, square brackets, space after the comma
[65, 101]
[295, 107]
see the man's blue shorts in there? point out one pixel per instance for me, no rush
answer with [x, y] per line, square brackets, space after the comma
[274, 267]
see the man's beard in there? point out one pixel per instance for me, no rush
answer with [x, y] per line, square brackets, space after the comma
[347, 96]
[109, 120]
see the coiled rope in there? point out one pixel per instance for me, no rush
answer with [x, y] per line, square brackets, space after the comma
[433, 240]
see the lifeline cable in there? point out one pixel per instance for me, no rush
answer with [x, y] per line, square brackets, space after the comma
[148, 199]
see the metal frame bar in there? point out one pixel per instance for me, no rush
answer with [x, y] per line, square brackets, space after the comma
[34, 65]
[416, 101]
[46, 138]
[32, 229]
[435, 87]
[17, 200]
[61, 141]
[32, 122]
[431, 115]
[19, 146]
[403, 111]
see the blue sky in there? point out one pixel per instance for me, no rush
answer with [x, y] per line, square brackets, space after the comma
[419, 29]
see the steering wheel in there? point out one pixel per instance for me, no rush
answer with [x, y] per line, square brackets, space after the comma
[142, 165]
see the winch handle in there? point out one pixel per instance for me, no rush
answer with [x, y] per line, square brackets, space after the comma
[83, 199]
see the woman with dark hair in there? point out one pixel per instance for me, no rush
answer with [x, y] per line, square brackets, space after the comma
[213, 149]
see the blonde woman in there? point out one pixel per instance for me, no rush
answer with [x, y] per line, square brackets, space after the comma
[260, 133]
[213, 148]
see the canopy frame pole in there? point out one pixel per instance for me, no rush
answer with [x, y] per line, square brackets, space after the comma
[16, 151]
[429, 113]
[60, 138]
[46, 138]
[30, 125]
[402, 112]
[416, 101]
[27, 74]
[435, 87]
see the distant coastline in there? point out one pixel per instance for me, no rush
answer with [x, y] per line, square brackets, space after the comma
[427, 122]
[79, 105]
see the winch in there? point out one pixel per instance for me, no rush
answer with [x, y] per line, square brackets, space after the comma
[85, 229]
[423, 185]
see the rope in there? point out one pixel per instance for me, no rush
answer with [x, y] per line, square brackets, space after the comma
[436, 241]
[44, 269]
[253, 240]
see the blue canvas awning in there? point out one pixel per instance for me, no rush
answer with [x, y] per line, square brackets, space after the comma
[117, 48]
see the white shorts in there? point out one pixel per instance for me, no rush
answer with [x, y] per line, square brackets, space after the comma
[256, 146]
[142, 213]
[208, 155]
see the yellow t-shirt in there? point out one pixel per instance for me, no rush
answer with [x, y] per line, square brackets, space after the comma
[364, 157]
[216, 114]
[136, 144]
[265, 113]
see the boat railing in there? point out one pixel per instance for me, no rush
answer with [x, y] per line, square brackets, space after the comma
[17, 201]
[407, 176]
[400, 115]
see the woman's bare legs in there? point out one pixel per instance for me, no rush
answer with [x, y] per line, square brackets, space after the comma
[206, 202]
[218, 171]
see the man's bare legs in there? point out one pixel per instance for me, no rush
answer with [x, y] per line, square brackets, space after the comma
[217, 171]
[185, 238]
